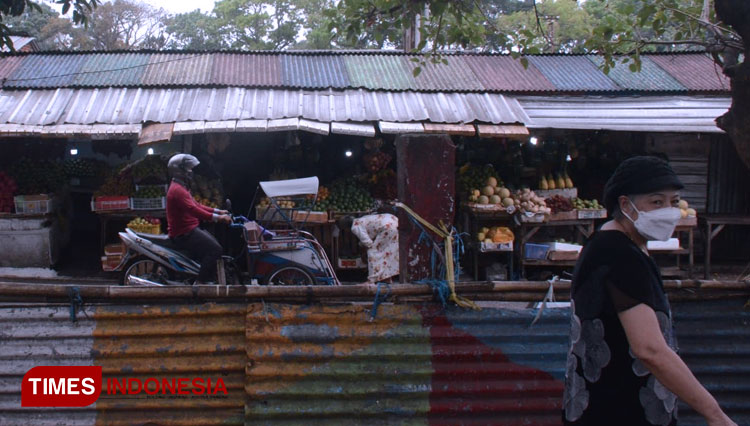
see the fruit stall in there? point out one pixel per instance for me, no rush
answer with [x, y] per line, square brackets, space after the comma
[521, 211]
[34, 220]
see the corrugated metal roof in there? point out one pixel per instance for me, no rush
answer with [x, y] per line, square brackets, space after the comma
[647, 114]
[314, 72]
[379, 70]
[136, 106]
[46, 71]
[503, 73]
[695, 72]
[178, 69]
[446, 77]
[126, 70]
[234, 69]
[650, 78]
[573, 73]
[388, 72]
[8, 65]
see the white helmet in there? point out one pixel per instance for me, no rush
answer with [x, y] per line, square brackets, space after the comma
[181, 166]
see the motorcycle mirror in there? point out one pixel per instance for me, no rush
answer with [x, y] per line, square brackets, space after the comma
[228, 205]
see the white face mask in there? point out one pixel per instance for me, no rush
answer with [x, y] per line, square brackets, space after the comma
[656, 225]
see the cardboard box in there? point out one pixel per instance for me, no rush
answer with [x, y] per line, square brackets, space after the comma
[562, 255]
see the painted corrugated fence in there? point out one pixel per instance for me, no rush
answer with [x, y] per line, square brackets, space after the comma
[336, 364]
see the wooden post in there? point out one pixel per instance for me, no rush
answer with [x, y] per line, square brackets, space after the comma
[426, 183]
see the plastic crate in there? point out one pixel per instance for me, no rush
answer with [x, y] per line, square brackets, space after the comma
[535, 251]
[34, 204]
[113, 202]
[148, 203]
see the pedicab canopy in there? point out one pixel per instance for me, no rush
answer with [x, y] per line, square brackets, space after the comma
[291, 187]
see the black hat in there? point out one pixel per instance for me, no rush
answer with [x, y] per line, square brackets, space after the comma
[639, 175]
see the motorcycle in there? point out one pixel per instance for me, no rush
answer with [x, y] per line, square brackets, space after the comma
[280, 257]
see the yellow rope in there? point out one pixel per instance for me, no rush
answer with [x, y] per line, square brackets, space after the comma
[449, 267]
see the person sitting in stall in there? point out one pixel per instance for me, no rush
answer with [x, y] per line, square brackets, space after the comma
[184, 214]
[379, 234]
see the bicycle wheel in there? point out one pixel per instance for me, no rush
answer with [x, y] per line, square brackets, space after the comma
[289, 275]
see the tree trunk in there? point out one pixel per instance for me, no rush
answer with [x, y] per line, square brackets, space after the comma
[736, 121]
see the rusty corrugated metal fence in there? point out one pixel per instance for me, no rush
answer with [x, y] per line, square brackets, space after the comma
[334, 364]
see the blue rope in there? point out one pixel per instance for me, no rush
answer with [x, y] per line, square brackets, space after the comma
[76, 302]
[378, 300]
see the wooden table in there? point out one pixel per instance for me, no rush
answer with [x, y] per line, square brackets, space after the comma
[471, 221]
[585, 227]
[685, 226]
[713, 225]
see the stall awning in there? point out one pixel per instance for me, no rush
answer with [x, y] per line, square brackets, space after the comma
[689, 114]
[45, 107]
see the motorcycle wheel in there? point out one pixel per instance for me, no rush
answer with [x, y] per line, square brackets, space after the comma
[289, 275]
[146, 268]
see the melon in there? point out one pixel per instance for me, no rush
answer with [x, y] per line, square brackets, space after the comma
[488, 190]
[504, 192]
[683, 213]
[491, 181]
[484, 199]
[691, 212]
[481, 236]
[495, 199]
[507, 201]
[475, 192]
[683, 204]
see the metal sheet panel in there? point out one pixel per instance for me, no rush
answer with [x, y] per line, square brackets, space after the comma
[8, 65]
[112, 69]
[695, 72]
[168, 105]
[314, 71]
[128, 342]
[243, 69]
[178, 69]
[503, 73]
[451, 76]
[379, 72]
[46, 70]
[655, 114]
[651, 77]
[573, 73]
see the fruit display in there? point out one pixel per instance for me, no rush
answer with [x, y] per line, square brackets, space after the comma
[206, 202]
[146, 225]
[80, 167]
[376, 161]
[150, 191]
[492, 192]
[8, 188]
[474, 177]
[347, 196]
[526, 201]
[559, 204]
[561, 181]
[686, 211]
[581, 204]
[38, 176]
[384, 185]
[152, 169]
[207, 190]
[116, 184]
[495, 234]
[283, 202]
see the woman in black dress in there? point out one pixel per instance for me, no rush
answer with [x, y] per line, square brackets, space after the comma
[622, 366]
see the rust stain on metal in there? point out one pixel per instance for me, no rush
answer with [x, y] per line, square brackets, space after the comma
[169, 343]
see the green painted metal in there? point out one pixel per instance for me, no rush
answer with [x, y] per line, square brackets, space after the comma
[379, 72]
[112, 69]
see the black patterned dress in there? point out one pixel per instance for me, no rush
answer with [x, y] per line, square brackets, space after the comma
[604, 383]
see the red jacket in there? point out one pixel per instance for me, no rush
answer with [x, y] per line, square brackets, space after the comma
[184, 213]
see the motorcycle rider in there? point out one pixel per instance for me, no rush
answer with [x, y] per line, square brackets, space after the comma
[184, 214]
